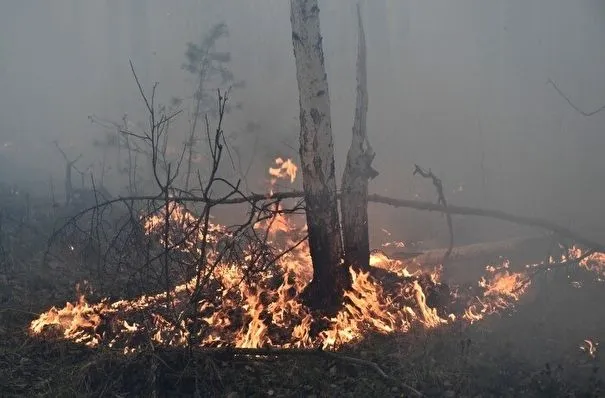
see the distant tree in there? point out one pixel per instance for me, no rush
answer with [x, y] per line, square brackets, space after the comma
[211, 69]
[211, 72]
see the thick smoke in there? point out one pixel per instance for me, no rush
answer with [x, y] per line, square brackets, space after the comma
[458, 87]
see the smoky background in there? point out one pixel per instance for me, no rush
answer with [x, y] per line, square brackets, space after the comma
[458, 87]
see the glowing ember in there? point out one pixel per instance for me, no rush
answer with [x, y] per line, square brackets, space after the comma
[590, 348]
[286, 169]
[595, 263]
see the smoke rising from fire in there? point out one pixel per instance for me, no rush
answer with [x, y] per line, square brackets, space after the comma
[461, 88]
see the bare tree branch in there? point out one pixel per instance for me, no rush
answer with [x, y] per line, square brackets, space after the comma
[442, 201]
[568, 100]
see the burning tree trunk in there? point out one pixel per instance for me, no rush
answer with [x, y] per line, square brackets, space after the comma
[317, 158]
[358, 170]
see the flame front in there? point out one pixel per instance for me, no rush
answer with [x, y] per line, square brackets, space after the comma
[266, 311]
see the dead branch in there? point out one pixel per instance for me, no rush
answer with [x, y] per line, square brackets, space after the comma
[497, 214]
[550, 265]
[442, 201]
[69, 165]
[395, 202]
[570, 102]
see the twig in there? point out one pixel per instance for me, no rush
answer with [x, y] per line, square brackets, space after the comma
[69, 165]
[96, 221]
[149, 106]
[566, 98]
[372, 365]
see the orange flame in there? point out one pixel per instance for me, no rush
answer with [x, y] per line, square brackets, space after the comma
[267, 311]
[501, 288]
[284, 169]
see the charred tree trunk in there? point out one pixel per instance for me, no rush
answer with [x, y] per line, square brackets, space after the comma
[358, 171]
[317, 159]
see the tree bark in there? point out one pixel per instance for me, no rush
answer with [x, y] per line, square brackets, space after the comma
[317, 159]
[358, 171]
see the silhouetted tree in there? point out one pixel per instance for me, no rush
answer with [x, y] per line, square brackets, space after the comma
[208, 65]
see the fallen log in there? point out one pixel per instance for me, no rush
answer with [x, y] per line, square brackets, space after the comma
[497, 214]
[504, 248]
[468, 262]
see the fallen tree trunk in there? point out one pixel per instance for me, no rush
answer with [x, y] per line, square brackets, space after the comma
[469, 252]
[500, 215]
[467, 263]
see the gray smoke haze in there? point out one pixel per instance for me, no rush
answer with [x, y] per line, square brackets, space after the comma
[458, 87]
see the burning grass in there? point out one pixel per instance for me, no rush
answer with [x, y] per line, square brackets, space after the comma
[500, 357]
[537, 350]
[422, 332]
[264, 310]
[243, 309]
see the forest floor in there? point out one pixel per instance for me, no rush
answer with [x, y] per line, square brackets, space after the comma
[532, 350]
